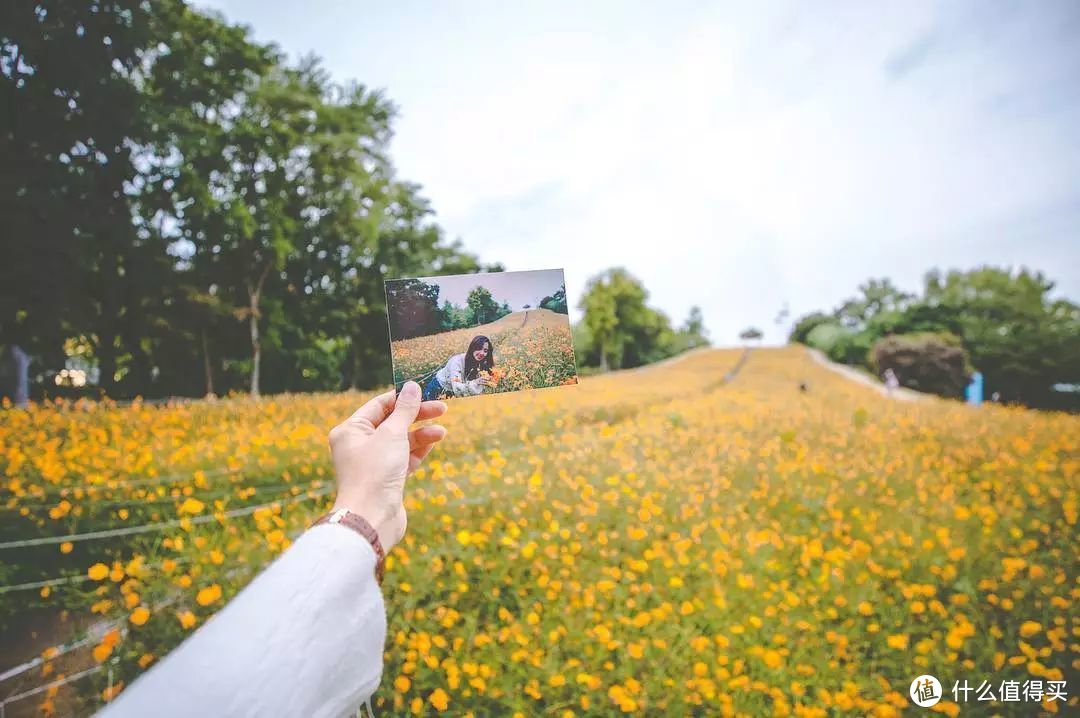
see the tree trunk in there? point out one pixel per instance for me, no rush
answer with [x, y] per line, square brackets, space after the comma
[208, 369]
[603, 356]
[21, 364]
[354, 380]
[255, 293]
[256, 346]
[107, 364]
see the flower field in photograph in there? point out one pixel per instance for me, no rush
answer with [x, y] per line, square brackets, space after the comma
[533, 349]
[660, 541]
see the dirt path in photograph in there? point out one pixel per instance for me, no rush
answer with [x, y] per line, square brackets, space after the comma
[900, 394]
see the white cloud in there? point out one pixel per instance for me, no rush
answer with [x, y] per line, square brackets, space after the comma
[732, 156]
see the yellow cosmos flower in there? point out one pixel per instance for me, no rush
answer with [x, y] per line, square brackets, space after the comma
[439, 699]
[208, 595]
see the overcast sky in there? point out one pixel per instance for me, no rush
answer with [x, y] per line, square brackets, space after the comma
[515, 288]
[738, 156]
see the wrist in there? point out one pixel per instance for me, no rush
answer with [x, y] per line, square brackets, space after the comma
[355, 522]
[377, 519]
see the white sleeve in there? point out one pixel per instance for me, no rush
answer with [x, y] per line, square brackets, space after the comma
[304, 638]
[455, 371]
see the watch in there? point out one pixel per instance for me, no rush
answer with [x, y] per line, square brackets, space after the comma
[360, 525]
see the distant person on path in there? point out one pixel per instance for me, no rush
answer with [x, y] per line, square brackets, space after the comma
[891, 382]
[306, 636]
[460, 376]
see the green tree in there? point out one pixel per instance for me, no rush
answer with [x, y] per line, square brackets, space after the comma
[556, 302]
[482, 306]
[1022, 341]
[875, 296]
[414, 308]
[622, 330]
[69, 109]
[807, 324]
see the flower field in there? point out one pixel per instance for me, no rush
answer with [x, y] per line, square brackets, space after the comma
[533, 350]
[654, 542]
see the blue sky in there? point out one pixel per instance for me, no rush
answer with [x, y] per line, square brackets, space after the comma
[737, 156]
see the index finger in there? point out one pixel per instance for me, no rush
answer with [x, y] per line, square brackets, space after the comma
[376, 409]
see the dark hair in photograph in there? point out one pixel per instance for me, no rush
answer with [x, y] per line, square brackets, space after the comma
[473, 367]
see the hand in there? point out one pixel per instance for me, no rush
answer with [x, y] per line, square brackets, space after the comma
[486, 381]
[373, 451]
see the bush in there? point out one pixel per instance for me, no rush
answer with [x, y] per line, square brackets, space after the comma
[801, 331]
[825, 336]
[852, 348]
[929, 362]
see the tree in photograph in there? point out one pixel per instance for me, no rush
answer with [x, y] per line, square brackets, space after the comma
[414, 308]
[482, 306]
[556, 302]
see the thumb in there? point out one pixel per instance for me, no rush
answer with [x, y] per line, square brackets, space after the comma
[406, 407]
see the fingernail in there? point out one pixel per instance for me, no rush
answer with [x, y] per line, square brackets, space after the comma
[411, 389]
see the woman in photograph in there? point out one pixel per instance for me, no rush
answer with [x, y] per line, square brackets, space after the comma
[461, 376]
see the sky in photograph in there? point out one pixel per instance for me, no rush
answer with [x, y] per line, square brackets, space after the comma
[742, 157]
[515, 288]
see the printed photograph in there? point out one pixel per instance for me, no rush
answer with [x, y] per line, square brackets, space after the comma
[471, 334]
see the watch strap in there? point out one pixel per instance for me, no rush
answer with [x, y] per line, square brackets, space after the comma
[360, 525]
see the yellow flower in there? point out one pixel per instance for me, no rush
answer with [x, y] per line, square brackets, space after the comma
[140, 615]
[191, 506]
[439, 699]
[1029, 628]
[898, 641]
[102, 651]
[772, 658]
[402, 683]
[208, 595]
[66, 547]
[112, 691]
[186, 618]
[98, 572]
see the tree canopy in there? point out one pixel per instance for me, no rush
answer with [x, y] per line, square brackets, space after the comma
[1024, 341]
[198, 214]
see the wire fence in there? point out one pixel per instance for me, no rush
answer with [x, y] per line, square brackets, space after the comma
[160, 525]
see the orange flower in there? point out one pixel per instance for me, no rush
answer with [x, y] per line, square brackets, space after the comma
[208, 595]
[140, 615]
[439, 699]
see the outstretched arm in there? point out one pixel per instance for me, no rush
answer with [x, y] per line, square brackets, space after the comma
[306, 637]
